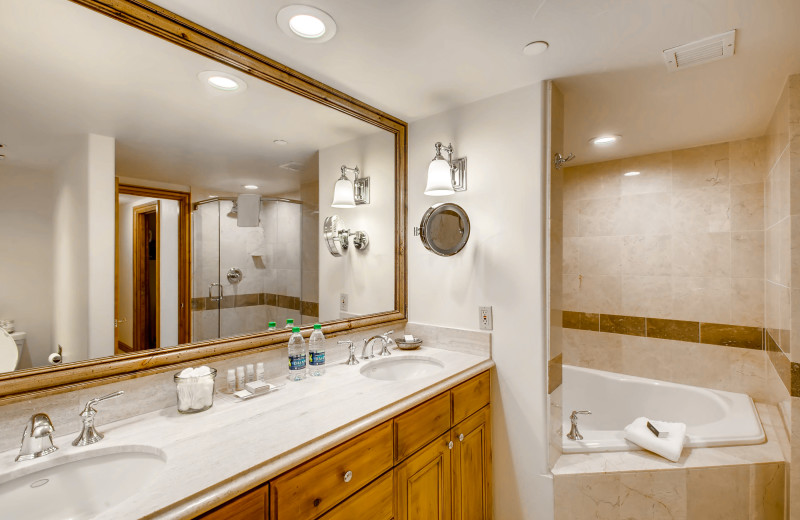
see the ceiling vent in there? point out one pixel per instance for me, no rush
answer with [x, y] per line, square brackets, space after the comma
[701, 51]
[292, 166]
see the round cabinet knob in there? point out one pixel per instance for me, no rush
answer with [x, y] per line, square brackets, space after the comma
[461, 437]
[348, 476]
[450, 445]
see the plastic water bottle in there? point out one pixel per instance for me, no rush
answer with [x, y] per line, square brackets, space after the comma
[297, 356]
[272, 326]
[290, 324]
[316, 352]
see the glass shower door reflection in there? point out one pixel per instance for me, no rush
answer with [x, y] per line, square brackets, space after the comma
[207, 290]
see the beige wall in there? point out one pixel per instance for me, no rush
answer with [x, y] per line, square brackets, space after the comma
[502, 265]
[682, 240]
[782, 214]
[367, 276]
[26, 249]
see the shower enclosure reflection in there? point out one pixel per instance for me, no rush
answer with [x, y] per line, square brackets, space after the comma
[246, 276]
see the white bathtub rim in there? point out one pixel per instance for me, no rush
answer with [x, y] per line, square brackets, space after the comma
[744, 419]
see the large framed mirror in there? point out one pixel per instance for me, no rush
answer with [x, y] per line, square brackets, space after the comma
[163, 194]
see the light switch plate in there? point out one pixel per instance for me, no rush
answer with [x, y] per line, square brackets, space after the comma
[342, 302]
[486, 318]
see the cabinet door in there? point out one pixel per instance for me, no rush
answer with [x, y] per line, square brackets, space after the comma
[250, 506]
[472, 467]
[374, 502]
[423, 483]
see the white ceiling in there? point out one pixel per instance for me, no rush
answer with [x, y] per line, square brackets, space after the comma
[68, 71]
[411, 58]
[414, 58]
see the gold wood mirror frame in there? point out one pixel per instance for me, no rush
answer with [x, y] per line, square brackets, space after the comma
[167, 25]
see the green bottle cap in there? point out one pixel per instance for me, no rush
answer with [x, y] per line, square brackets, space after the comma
[290, 320]
[317, 326]
[295, 329]
[273, 324]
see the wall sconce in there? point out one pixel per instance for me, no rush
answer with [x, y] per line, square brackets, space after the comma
[337, 236]
[347, 194]
[446, 176]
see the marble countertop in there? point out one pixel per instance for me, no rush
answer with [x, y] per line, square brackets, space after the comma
[215, 455]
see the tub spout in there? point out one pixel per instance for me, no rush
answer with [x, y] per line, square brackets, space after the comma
[574, 434]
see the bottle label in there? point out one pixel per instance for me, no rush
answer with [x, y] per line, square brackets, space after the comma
[316, 358]
[297, 362]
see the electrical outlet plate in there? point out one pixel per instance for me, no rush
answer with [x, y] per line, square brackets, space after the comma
[343, 302]
[486, 318]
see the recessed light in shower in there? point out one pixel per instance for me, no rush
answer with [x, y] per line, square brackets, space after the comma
[535, 48]
[222, 81]
[605, 140]
[306, 23]
[631, 174]
[250, 187]
[280, 142]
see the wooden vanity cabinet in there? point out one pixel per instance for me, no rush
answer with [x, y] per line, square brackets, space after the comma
[472, 467]
[251, 505]
[432, 462]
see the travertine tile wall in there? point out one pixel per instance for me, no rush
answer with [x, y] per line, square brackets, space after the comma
[683, 240]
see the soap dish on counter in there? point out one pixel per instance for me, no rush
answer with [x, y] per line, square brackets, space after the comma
[402, 344]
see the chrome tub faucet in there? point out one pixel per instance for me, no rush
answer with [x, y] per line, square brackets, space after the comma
[574, 434]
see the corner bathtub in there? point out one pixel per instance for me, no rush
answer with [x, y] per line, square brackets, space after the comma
[712, 417]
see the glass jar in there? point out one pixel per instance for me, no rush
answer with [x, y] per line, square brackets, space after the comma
[195, 393]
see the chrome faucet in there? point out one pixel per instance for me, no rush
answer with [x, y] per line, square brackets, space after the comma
[384, 351]
[89, 435]
[574, 434]
[37, 439]
[352, 359]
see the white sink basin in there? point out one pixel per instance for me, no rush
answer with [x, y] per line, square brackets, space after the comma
[75, 489]
[401, 368]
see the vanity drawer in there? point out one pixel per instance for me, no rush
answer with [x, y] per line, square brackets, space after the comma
[314, 487]
[470, 396]
[420, 425]
[249, 506]
[373, 502]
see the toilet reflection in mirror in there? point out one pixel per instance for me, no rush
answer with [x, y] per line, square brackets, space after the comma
[132, 185]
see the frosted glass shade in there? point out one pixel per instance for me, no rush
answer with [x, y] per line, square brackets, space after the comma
[343, 194]
[439, 180]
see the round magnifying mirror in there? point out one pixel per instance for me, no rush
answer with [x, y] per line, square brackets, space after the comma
[444, 229]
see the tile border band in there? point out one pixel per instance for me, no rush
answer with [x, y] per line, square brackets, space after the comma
[725, 335]
[253, 299]
[679, 330]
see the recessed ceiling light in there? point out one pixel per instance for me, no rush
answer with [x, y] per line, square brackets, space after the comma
[631, 174]
[604, 140]
[250, 187]
[534, 48]
[222, 81]
[306, 23]
[280, 142]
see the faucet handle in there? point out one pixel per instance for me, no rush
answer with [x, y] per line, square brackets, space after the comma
[89, 409]
[352, 359]
[574, 415]
[386, 334]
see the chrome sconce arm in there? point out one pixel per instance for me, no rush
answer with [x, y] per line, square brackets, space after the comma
[337, 236]
[360, 184]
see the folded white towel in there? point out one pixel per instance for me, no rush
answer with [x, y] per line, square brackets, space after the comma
[669, 447]
[249, 208]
